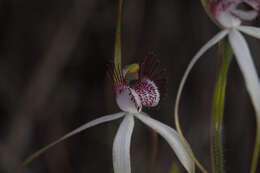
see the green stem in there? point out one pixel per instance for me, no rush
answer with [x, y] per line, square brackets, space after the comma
[205, 4]
[218, 152]
[218, 106]
[256, 149]
[117, 53]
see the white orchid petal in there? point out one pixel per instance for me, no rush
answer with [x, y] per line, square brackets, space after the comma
[247, 67]
[72, 133]
[246, 64]
[172, 137]
[208, 45]
[250, 30]
[121, 146]
[92, 123]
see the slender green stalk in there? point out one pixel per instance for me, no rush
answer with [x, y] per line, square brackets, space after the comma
[174, 168]
[117, 53]
[218, 105]
[205, 4]
[256, 149]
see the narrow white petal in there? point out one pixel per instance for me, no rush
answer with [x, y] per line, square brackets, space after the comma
[208, 45]
[204, 48]
[91, 124]
[172, 137]
[250, 30]
[249, 72]
[247, 67]
[121, 146]
[77, 130]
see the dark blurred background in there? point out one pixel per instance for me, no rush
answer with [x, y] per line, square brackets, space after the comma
[53, 56]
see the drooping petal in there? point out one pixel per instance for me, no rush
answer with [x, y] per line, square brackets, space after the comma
[250, 30]
[208, 45]
[172, 137]
[121, 146]
[72, 133]
[247, 67]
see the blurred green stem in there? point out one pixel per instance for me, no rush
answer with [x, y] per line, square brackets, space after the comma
[175, 168]
[205, 4]
[118, 54]
[257, 148]
[218, 105]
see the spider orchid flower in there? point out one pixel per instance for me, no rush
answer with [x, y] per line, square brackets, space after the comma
[229, 15]
[133, 89]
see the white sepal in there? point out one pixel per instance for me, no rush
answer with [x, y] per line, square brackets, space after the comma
[121, 146]
[172, 137]
[208, 45]
[247, 67]
[250, 30]
[72, 133]
[91, 124]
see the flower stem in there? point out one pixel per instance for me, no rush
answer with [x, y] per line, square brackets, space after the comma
[218, 106]
[256, 149]
[117, 53]
[205, 4]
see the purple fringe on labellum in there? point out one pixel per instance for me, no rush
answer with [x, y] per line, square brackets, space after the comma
[147, 91]
[151, 87]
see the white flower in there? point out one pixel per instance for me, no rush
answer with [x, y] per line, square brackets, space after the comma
[146, 91]
[229, 16]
